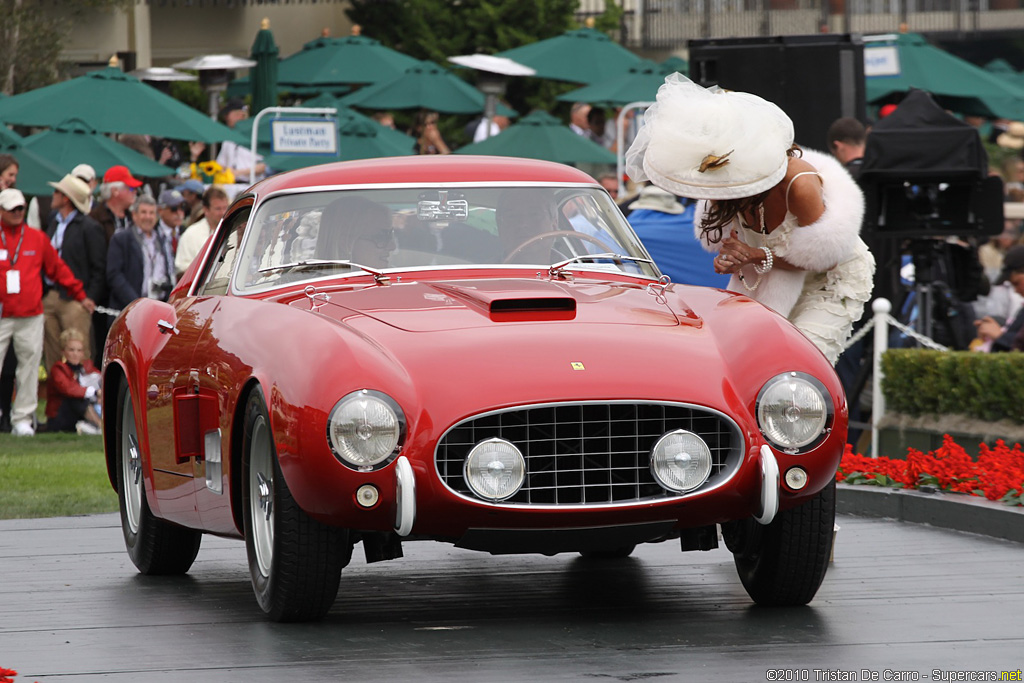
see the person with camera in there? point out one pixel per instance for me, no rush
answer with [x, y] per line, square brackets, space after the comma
[784, 221]
[140, 262]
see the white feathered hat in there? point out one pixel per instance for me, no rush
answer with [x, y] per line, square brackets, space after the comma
[710, 143]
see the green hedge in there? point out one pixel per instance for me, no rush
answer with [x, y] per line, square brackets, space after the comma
[985, 386]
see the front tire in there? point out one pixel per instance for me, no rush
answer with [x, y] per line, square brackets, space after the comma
[155, 546]
[784, 563]
[295, 561]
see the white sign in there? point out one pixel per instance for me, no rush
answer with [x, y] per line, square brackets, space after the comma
[304, 136]
[883, 60]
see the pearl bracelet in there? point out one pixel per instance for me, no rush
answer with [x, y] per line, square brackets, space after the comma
[769, 260]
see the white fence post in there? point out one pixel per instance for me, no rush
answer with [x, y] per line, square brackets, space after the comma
[881, 308]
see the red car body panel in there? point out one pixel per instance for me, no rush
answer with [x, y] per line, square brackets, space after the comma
[441, 345]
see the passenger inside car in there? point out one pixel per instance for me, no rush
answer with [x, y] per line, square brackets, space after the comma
[357, 229]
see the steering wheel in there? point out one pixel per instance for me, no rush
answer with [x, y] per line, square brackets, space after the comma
[553, 235]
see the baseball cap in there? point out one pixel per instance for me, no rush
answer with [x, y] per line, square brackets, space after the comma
[84, 172]
[171, 199]
[11, 199]
[193, 185]
[121, 174]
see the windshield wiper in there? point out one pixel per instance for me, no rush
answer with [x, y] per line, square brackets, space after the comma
[556, 268]
[305, 264]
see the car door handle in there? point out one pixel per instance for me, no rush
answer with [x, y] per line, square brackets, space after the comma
[166, 327]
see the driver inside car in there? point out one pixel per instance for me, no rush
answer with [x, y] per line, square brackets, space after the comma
[522, 216]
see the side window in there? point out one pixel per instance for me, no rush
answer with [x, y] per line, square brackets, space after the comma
[219, 270]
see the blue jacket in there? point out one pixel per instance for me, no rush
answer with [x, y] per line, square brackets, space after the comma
[670, 242]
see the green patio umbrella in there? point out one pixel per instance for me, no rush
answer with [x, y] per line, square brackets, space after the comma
[541, 136]
[344, 117]
[639, 84]
[34, 172]
[9, 137]
[424, 86]
[581, 56]
[73, 142]
[356, 140]
[111, 101]
[264, 74]
[353, 59]
[1002, 68]
[908, 61]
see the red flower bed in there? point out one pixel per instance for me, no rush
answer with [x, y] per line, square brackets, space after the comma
[997, 474]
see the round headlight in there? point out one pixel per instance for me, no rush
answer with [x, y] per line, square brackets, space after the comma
[365, 429]
[793, 412]
[681, 461]
[495, 469]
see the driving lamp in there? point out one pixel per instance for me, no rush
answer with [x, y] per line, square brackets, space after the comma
[495, 469]
[681, 461]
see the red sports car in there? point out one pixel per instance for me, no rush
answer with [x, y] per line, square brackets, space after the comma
[477, 351]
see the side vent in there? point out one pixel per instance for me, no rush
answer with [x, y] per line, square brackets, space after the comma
[528, 308]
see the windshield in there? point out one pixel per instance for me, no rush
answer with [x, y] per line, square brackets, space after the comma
[311, 235]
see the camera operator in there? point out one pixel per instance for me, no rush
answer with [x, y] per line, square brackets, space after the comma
[139, 261]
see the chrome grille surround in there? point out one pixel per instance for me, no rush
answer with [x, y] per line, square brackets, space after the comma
[592, 453]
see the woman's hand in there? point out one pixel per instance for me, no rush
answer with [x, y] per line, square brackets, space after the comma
[735, 254]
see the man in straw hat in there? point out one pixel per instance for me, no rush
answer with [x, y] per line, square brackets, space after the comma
[24, 253]
[785, 222]
[665, 227]
[80, 242]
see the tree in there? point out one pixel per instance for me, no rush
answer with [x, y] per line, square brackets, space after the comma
[437, 29]
[33, 34]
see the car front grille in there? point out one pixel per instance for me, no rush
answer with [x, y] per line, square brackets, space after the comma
[589, 453]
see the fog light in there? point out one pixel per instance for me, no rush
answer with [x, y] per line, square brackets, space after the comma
[367, 495]
[796, 478]
[681, 461]
[495, 469]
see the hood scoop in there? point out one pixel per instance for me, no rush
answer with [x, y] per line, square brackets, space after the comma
[527, 301]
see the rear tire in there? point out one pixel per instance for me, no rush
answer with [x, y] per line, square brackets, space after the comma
[155, 546]
[784, 563]
[295, 561]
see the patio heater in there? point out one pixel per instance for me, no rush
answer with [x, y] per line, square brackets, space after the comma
[215, 72]
[161, 77]
[492, 78]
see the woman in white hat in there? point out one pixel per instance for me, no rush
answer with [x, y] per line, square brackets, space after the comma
[785, 222]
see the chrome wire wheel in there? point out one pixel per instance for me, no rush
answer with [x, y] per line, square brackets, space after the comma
[131, 466]
[261, 495]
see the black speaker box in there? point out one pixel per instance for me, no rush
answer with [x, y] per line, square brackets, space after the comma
[815, 79]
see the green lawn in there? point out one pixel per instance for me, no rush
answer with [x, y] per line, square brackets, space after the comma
[53, 475]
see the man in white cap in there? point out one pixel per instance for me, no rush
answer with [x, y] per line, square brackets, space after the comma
[81, 244]
[24, 253]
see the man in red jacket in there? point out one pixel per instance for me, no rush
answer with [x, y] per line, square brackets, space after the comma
[25, 253]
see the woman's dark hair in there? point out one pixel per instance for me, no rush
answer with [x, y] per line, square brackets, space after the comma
[722, 212]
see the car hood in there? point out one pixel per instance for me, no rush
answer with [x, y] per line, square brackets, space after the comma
[440, 306]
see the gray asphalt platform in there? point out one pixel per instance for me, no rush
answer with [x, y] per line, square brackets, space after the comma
[901, 602]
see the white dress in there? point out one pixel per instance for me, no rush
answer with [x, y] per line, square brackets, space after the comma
[830, 302]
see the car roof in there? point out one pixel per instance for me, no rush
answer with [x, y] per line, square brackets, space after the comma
[432, 168]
